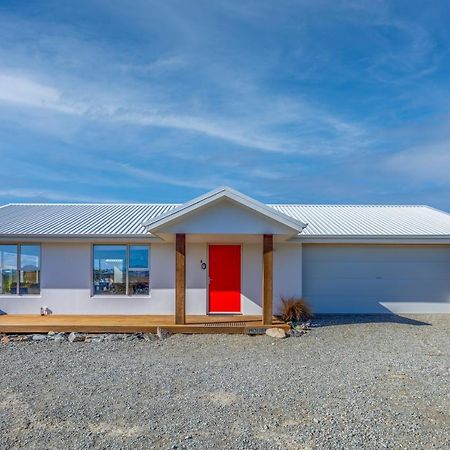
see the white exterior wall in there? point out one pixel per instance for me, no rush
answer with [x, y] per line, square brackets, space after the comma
[377, 278]
[66, 281]
[66, 285]
[334, 278]
[287, 273]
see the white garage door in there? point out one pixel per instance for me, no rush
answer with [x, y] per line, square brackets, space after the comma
[377, 279]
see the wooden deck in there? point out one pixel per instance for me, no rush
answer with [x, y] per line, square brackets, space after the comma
[21, 323]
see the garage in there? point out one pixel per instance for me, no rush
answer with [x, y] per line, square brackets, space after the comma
[377, 278]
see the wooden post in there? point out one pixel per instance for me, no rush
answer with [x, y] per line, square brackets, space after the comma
[180, 280]
[267, 279]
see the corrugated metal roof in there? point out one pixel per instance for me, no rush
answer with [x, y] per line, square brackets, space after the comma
[127, 219]
[78, 219]
[369, 220]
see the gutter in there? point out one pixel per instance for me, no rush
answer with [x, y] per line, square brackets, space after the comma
[371, 239]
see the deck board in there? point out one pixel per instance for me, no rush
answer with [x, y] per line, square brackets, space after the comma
[27, 323]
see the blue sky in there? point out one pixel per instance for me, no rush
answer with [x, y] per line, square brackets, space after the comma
[292, 101]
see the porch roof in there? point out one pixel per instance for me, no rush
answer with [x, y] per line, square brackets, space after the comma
[294, 225]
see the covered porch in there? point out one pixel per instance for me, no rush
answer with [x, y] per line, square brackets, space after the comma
[224, 224]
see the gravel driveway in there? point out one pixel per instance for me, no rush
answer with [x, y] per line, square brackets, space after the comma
[359, 382]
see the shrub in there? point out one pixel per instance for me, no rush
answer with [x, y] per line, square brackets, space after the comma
[295, 310]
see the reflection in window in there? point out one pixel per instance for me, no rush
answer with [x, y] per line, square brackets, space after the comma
[121, 270]
[29, 269]
[110, 269]
[20, 265]
[8, 269]
[138, 273]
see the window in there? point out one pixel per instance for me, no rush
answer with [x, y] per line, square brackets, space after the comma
[8, 267]
[20, 269]
[29, 269]
[121, 270]
[138, 273]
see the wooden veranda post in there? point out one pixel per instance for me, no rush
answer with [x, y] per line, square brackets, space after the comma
[267, 279]
[180, 280]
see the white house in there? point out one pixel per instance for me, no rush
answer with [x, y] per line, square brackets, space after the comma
[222, 253]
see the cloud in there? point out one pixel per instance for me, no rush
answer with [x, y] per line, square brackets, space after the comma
[424, 164]
[244, 131]
[49, 195]
[24, 91]
[154, 176]
[325, 100]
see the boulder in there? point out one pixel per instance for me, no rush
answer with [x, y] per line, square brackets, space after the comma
[278, 333]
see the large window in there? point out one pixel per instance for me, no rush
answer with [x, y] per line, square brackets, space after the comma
[121, 270]
[20, 269]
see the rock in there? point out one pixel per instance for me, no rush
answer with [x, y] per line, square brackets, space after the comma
[5, 340]
[163, 333]
[113, 337]
[51, 333]
[303, 326]
[149, 337]
[278, 333]
[296, 333]
[75, 337]
[38, 337]
[60, 337]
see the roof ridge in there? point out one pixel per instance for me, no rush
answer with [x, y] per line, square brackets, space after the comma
[90, 204]
[341, 205]
[362, 205]
[437, 210]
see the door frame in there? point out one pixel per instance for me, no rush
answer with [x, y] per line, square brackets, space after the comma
[208, 312]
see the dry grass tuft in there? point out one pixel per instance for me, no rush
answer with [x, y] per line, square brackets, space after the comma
[295, 310]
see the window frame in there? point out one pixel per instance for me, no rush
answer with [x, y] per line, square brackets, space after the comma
[18, 246]
[127, 295]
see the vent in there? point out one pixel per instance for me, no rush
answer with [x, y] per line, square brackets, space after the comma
[225, 324]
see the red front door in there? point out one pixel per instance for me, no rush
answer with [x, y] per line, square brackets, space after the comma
[224, 278]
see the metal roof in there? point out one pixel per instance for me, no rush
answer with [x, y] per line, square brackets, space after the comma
[34, 220]
[369, 220]
[78, 219]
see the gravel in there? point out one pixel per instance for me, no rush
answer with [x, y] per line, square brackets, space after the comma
[350, 382]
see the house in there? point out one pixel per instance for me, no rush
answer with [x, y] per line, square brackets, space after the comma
[222, 253]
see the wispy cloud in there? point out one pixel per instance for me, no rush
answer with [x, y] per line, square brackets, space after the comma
[27, 92]
[42, 195]
[428, 164]
[151, 175]
[325, 99]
